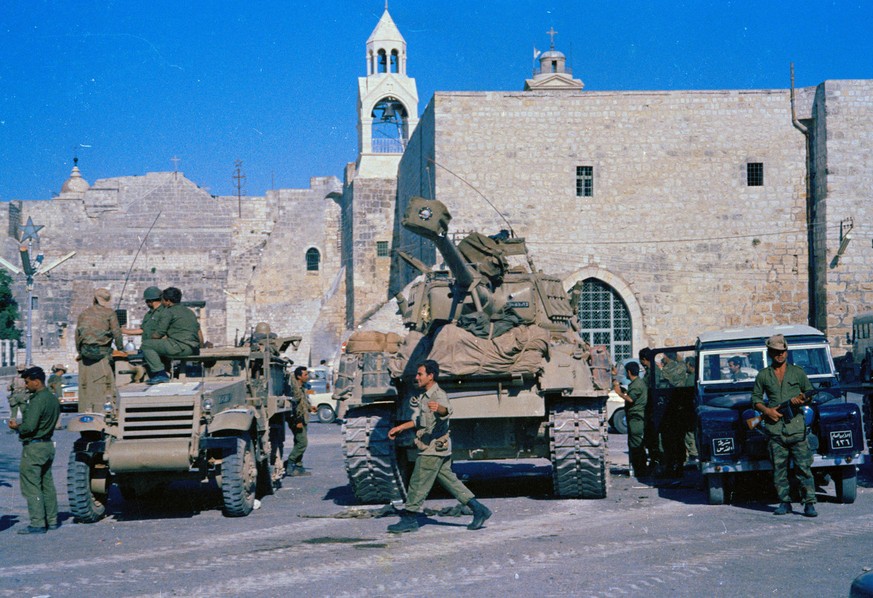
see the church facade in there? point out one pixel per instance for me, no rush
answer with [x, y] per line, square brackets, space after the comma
[669, 213]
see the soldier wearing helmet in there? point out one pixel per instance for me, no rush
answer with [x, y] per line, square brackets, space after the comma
[152, 298]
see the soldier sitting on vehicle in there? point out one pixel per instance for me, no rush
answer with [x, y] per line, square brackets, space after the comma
[176, 334]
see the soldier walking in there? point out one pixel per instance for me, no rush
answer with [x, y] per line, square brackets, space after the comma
[430, 420]
[38, 453]
[299, 422]
[96, 329]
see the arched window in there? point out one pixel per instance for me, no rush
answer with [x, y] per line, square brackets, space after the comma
[604, 318]
[394, 62]
[383, 62]
[313, 259]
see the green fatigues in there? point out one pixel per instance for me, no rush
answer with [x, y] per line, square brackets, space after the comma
[18, 397]
[301, 415]
[434, 462]
[96, 329]
[55, 383]
[636, 424]
[175, 334]
[37, 456]
[787, 438]
[674, 421]
[150, 321]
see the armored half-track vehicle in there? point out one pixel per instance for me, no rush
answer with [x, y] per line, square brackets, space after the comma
[211, 422]
[521, 382]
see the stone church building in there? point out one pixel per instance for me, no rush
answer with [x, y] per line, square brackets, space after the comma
[670, 212]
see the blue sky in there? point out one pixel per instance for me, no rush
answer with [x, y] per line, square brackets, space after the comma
[129, 85]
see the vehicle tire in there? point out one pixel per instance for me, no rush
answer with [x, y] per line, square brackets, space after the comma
[619, 421]
[86, 506]
[715, 483]
[326, 414]
[371, 459]
[846, 483]
[578, 448]
[239, 479]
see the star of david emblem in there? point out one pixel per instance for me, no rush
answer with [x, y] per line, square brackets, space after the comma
[30, 230]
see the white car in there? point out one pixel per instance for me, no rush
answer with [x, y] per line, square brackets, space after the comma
[321, 383]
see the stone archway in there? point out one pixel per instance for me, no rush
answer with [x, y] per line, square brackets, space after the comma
[620, 313]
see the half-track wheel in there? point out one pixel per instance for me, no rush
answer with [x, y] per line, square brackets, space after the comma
[846, 483]
[239, 477]
[86, 506]
[370, 457]
[578, 448]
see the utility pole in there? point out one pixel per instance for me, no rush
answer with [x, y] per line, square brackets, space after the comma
[239, 177]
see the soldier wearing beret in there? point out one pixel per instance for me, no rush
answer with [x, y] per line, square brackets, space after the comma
[38, 453]
[784, 383]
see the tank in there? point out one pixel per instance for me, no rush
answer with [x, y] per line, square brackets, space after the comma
[210, 423]
[521, 381]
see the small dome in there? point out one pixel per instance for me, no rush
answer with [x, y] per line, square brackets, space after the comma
[75, 184]
[552, 54]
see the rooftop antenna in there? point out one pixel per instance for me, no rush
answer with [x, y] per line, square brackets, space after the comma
[239, 177]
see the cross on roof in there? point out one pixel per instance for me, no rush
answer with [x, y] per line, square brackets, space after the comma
[175, 160]
[552, 33]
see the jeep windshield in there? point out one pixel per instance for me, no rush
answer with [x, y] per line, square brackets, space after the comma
[736, 366]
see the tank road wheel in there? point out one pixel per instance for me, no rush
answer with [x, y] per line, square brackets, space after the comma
[86, 506]
[371, 461]
[715, 488]
[577, 442]
[846, 483]
[239, 480]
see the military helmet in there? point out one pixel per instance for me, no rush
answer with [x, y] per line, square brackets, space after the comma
[151, 294]
[262, 328]
[59, 367]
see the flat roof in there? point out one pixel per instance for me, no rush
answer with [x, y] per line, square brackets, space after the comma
[738, 334]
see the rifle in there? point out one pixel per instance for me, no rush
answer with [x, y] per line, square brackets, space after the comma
[753, 417]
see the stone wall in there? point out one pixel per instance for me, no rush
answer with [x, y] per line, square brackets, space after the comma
[672, 224]
[844, 190]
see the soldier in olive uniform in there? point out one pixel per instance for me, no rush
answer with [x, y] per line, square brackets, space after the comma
[38, 453]
[56, 383]
[673, 424]
[783, 383]
[635, 400]
[176, 334]
[430, 420]
[96, 329]
[17, 394]
[152, 298]
[299, 422]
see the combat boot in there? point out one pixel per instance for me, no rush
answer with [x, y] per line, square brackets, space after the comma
[480, 514]
[783, 509]
[408, 523]
[809, 510]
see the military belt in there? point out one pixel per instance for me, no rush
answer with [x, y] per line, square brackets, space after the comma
[26, 442]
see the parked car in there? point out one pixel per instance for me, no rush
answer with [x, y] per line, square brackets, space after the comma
[321, 385]
[69, 398]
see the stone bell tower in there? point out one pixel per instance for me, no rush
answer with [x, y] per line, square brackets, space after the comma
[387, 102]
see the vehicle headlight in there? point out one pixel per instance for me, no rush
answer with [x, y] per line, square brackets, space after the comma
[107, 407]
[206, 406]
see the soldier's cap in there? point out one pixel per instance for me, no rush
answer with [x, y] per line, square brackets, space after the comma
[33, 372]
[777, 341]
[59, 366]
[151, 294]
[102, 297]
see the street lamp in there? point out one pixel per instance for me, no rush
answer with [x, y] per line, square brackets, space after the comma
[31, 268]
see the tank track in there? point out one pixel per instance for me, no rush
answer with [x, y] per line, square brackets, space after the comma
[370, 458]
[578, 448]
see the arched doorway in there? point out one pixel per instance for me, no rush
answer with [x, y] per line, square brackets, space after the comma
[604, 318]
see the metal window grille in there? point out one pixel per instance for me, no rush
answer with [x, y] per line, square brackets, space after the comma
[605, 319]
[381, 248]
[34, 303]
[313, 259]
[755, 174]
[584, 181]
[122, 316]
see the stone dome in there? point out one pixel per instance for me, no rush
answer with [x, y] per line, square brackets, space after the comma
[75, 184]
